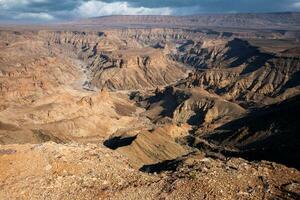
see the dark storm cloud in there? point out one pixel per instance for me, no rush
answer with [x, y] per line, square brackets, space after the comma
[51, 10]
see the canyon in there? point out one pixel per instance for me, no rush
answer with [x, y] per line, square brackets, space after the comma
[132, 107]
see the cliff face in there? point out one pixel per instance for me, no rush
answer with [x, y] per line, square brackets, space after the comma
[118, 63]
[238, 70]
[269, 134]
[138, 59]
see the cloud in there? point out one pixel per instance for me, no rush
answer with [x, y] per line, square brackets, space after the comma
[45, 10]
[99, 8]
[296, 5]
[34, 16]
[7, 4]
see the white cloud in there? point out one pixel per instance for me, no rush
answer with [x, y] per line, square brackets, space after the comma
[296, 4]
[35, 16]
[99, 8]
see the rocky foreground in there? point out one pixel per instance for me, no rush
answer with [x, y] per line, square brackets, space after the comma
[74, 171]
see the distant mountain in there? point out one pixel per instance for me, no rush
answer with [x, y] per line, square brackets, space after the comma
[284, 20]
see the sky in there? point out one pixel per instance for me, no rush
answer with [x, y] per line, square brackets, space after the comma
[60, 10]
